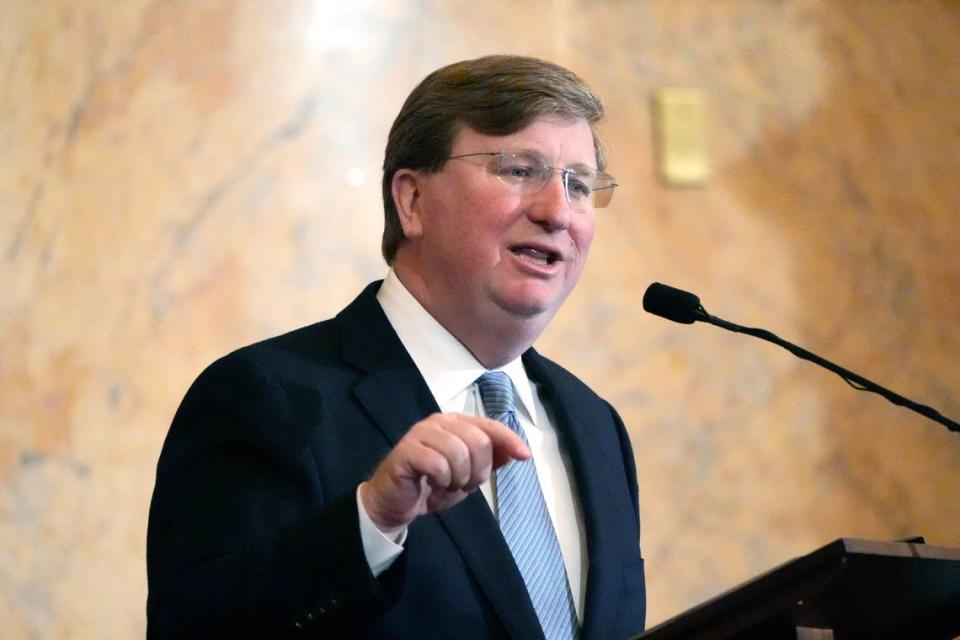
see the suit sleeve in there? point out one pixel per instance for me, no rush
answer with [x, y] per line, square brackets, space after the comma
[241, 538]
[629, 463]
[633, 613]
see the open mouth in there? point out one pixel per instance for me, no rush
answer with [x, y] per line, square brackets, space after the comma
[535, 255]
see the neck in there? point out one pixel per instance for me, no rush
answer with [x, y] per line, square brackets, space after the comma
[494, 339]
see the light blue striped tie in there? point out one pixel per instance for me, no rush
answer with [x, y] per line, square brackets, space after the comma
[526, 524]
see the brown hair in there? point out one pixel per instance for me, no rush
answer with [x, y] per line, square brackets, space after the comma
[493, 95]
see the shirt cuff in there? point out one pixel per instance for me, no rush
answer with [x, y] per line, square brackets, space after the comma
[380, 550]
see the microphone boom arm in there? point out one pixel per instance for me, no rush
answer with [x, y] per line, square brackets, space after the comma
[851, 378]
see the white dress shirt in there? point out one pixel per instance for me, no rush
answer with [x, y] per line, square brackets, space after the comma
[450, 372]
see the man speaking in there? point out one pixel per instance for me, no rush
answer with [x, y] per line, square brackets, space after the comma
[413, 468]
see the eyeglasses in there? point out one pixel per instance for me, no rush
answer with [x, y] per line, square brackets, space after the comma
[527, 172]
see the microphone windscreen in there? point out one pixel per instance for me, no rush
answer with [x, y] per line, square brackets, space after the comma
[670, 303]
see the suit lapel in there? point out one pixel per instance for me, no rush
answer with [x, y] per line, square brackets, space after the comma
[477, 535]
[393, 392]
[578, 418]
[396, 396]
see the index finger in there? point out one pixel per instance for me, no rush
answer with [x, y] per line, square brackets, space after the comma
[507, 444]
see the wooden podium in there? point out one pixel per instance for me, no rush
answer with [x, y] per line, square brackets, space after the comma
[847, 589]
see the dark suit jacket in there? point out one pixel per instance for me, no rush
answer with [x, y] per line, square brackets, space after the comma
[253, 525]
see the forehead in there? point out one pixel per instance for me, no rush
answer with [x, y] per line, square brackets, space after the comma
[562, 140]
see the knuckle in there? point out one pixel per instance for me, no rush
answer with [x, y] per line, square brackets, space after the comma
[478, 439]
[436, 466]
[460, 453]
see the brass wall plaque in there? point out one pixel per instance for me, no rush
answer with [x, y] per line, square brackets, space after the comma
[680, 124]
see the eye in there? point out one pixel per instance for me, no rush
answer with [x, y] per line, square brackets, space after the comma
[576, 187]
[515, 171]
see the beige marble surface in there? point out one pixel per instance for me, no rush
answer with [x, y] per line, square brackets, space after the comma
[181, 178]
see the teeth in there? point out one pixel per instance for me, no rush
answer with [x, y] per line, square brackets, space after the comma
[534, 255]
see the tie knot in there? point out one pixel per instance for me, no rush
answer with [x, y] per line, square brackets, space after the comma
[496, 392]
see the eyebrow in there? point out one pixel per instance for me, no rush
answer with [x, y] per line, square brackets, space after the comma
[576, 166]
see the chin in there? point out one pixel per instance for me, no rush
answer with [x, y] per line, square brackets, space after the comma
[528, 311]
[530, 307]
[529, 300]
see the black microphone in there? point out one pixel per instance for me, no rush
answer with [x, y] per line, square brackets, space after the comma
[672, 304]
[684, 307]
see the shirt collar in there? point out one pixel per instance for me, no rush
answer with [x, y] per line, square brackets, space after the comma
[444, 362]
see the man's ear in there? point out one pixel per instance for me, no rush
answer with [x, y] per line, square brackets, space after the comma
[407, 199]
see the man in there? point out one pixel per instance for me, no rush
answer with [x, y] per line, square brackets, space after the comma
[343, 480]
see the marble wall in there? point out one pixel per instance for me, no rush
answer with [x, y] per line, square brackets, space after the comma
[181, 178]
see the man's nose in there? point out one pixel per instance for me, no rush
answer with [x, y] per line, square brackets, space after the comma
[550, 206]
